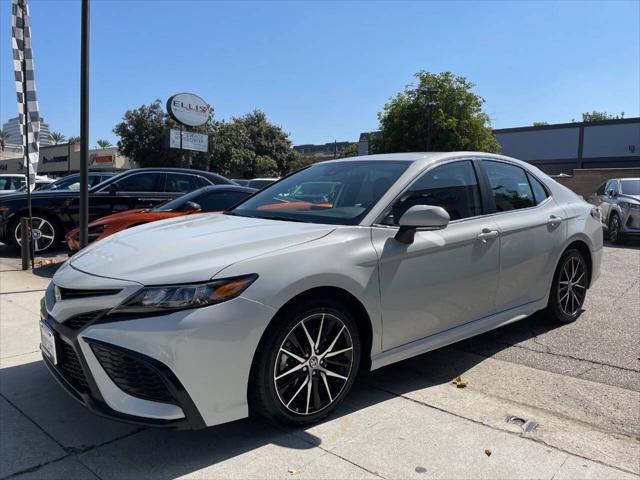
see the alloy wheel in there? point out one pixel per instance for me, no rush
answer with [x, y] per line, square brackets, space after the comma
[313, 364]
[614, 228]
[43, 232]
[572, 286]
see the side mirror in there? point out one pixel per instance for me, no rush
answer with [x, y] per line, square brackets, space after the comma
[113, 188]
[192, 206]
[421, 217]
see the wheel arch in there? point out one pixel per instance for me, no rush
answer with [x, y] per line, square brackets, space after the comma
[582, 246]
[356, 309]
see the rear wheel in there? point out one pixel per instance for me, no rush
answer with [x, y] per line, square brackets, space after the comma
[614, 230]
[569, 288]
[306, 363]
[46, 233]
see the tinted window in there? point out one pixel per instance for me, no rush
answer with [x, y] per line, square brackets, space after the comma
[630, 187]
[178, 182]
[539, 192]
[6, 183]
[453, 186]
[612, 185]
[600, 190]
[511, 189]
[344, 192]
[218, 201]
[141, 182]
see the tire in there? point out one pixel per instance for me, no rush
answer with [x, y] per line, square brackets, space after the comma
[47, 232]
[289, 382]
[614, 235]
[569, 289]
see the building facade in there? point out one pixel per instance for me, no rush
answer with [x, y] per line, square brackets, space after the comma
[561, 148]
[63, 159]
[322, 152]
[13, 127]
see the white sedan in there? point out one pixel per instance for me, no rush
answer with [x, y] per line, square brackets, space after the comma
[274, 306]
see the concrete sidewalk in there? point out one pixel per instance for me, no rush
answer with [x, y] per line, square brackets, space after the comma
[404, 421]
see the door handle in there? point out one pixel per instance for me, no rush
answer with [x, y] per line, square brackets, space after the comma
[487, 234]
[553, 220]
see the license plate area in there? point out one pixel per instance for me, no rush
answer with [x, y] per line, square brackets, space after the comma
[48, 342]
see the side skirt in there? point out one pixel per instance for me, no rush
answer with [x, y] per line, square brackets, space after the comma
[455, 334]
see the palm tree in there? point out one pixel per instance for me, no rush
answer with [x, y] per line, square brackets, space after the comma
[73, 140]
[3, 138]
[103, 143]
[57, 137]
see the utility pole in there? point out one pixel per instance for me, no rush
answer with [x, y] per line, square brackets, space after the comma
[84, 126]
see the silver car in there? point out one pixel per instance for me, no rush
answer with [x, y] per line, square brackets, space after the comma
[347, 265]
[619, 203]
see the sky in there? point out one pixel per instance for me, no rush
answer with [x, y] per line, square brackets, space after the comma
[322, 70]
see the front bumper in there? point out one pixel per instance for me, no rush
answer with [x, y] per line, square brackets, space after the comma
[203, 356]
[631, 223]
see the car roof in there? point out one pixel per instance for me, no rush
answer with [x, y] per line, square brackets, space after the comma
[229, 187]
[627, 178]
[423, 158]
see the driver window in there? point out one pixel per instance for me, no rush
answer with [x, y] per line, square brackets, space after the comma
[453, 186]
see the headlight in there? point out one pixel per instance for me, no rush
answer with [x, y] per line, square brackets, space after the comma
[179, 297]
[630, 206]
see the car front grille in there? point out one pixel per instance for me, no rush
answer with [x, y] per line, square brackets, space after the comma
[71, 369]
[133, 375]
[80, 321]
[73, 293]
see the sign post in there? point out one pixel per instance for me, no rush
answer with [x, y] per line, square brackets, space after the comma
[188, 110]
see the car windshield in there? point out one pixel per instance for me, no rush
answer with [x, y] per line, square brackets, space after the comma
[178, 204]
[339, 193]
[630, 187]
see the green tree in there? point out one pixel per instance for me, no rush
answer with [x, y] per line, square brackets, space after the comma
[73, 140]
[596, 116]
[57, 137]
[458, 122]
[142, 138]
[250, 146]
[350, 151]
[298, 161]
[103, 143]
[3, 138]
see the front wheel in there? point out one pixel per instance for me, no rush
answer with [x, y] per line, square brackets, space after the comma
[614, 233]
[306, 363]
[45, 233]
[569, 288]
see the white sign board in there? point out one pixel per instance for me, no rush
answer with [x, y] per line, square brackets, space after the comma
[198, 142]
[188, 109]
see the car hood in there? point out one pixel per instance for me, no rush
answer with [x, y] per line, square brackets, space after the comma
[190, 248]
[632, 197]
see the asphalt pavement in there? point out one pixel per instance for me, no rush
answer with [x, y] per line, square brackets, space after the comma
[577, 385]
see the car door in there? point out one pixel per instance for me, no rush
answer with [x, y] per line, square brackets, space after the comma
[445, 278]
[609, 199]
[532, 232]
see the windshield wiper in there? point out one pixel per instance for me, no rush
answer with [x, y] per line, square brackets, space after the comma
[286, 219]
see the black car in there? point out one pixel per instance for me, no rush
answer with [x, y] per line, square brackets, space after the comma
[72, 182]
[57, 211]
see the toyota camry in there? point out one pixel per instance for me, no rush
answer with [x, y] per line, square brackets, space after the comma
[349, 265]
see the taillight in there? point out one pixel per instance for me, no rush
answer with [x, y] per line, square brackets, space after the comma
[595, 213]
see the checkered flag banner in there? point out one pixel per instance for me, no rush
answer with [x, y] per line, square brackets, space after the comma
[21, 41]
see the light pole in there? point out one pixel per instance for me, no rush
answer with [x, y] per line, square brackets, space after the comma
[84, 125]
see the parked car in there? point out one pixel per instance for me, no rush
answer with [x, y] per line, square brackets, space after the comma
[215, 198]
[260, 183]
[72, 182]
[619, 203]
[55, 212]
[10, 182]
[196, 320]
[41, 183]
[241, 181]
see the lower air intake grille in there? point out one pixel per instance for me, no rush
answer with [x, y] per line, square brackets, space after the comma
[134, 376]
[69, 365]
[80, 321]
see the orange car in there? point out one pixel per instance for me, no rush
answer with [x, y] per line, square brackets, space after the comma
[215, 198]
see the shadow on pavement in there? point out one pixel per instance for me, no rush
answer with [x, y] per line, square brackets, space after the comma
[31, 388]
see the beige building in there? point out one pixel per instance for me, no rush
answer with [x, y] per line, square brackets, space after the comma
[55, 160]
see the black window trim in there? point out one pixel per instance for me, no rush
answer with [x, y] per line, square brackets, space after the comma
[526, 170]
[480, 177]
